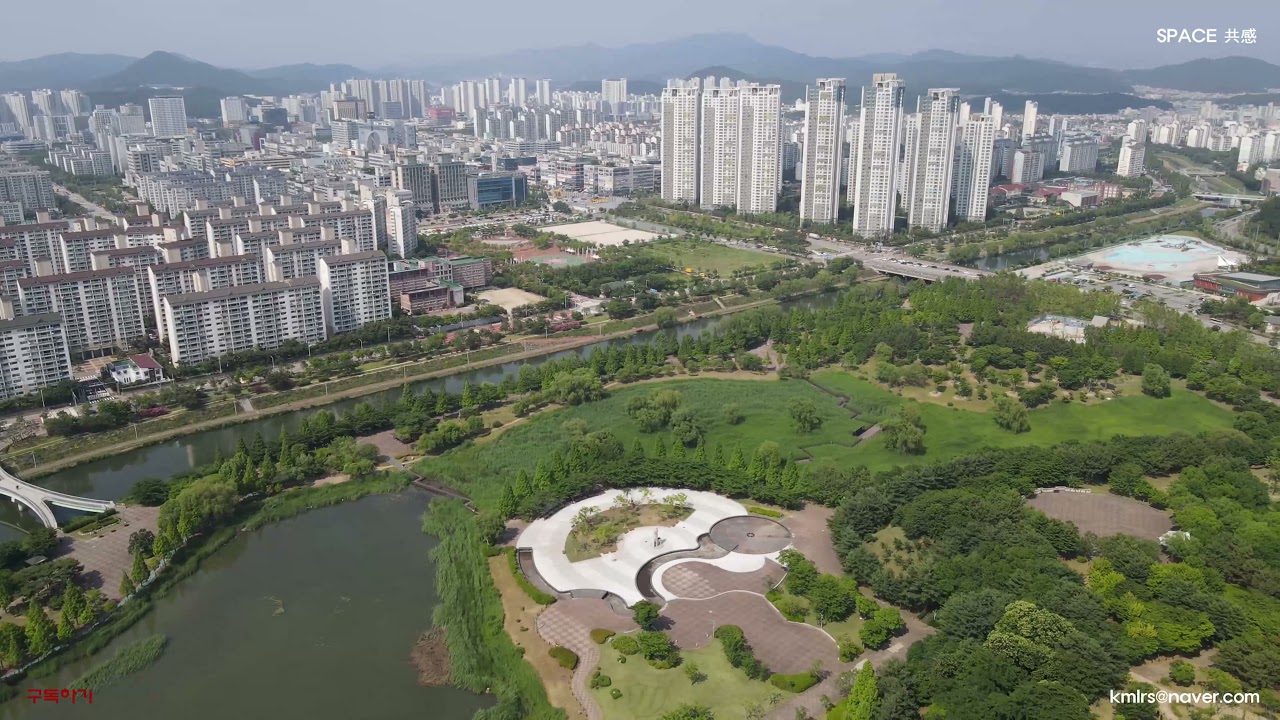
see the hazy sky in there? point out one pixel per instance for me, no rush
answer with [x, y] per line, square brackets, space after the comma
[257, 33]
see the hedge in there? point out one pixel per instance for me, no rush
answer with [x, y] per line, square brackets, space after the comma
[87, 520]
[599, 680]
[534, 593]
[796, 683]
[757, 510]
[626, 644]
[567, 658]
[739, 653]
[600, 635]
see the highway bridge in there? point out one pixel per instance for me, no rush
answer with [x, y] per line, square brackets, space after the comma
[1227, 197]
[921, 269]
[38, 499]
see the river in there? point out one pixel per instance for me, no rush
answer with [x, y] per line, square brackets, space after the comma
[1010, 260]
[311, 618]
[111, 478]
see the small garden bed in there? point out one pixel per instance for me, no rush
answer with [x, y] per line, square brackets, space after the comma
[596, 532]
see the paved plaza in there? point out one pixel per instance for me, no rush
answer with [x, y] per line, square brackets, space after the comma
[616, 572]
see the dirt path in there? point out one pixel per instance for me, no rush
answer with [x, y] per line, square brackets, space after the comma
[519, 618]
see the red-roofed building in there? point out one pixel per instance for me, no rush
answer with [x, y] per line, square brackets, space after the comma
[1005, 192]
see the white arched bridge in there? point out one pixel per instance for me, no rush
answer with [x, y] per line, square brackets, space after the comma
[38, 499]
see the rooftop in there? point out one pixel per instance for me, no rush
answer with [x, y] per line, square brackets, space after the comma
[241, 290]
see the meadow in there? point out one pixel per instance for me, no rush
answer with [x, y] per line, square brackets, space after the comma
[707, 256]
[648, 692]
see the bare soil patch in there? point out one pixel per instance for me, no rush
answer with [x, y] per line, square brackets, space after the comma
[431, 656]
[1104, 515]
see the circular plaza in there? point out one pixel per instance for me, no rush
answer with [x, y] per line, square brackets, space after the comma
[622, 542]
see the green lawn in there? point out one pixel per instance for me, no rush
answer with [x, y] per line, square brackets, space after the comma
[951, 431]
[476, 468]
[647, 692]
[707, 256]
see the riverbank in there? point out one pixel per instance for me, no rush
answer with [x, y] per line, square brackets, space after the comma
[543, 348]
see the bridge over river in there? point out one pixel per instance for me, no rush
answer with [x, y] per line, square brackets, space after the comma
[38, 500]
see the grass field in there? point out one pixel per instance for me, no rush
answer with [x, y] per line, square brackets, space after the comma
[480, 469]
[648, 693]
[475, 468]
[707, 256]
[952, 431]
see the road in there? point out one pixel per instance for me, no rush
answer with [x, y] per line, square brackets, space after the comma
[94, 209]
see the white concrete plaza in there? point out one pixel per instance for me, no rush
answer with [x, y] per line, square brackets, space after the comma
[615, 572]
[602, 233]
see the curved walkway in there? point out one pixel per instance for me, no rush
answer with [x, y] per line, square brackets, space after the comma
[38, 499]
[569, 623]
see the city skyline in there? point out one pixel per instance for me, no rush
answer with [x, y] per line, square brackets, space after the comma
[1126, 40]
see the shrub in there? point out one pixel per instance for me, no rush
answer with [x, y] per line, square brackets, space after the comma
[600, 636]
[534, 593]
[739, 653]
[796, 683]
[848, 647]
[645, 614]
[622, 659]
[792, 608]
[1182, 673]
[599, 680]
[567, 658]
[757, 510]
[626, 644]
[615, 693]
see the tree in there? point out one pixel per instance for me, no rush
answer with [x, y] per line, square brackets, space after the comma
[685, 426]
[690, 712]
[655, 645]
[73, 602]
[66, 628]
[1155, 381]
[732, 415]
[863, 700]
[694, 674]
[801, 572]
[139, 571]
[13, 644]
[1182, 673]
[126, 586]
[1010, 414]
[645, 614]
[832, 597]
[561, 207]
[40, 630]
[804, 415]
[665, 318]
[904, 432]
[574, 387]
[141, 542]
[41, 541]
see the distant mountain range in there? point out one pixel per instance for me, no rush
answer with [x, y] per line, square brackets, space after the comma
[647, 66]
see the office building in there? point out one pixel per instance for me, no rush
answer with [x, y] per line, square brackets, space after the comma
[414, 177]
[872, 190]
[354, 290]
[975, 152]
[497, 189]
[449, 187]
[202, 325]
[33, 354]
[168, 116]
[931, 162]
[681, 133]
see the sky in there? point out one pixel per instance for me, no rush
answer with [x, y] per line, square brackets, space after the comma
[260, 33]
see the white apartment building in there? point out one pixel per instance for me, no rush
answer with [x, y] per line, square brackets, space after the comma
[872, 191]
[1132, 157]
[1079, 154]
[33, 354]
[1030, 114]
[402, 223]
[1252, 151]
[740, 161]
[235, 111]
[354, 290]
[1028, 167]
[168, 116]
[202, 275]
[681, 112]
[614, 95]
[932, 163]
[202, 325]
[975, 152]
[100, 308]
[543, 93]
[824, 120]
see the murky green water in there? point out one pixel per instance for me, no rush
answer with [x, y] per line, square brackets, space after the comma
[312, 618]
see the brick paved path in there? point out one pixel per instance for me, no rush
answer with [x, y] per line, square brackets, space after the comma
[698, 580]
[569, 623]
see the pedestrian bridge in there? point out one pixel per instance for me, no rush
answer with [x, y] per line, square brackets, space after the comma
[38, 499]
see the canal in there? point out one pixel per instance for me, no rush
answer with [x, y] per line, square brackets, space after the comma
[311, 618]
[1011, 260]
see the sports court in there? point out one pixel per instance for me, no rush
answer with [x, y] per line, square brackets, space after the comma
[601, 233]
[510, 298]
